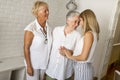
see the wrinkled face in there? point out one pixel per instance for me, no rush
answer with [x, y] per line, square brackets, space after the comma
[73, 22]
[81, 22]
[43, 12]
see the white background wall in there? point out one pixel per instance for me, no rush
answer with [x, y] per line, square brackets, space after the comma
[16, 14]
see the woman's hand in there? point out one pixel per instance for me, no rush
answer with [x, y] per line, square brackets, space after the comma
[68, 53]
[65, 52]
[30, 70]
[61, 50]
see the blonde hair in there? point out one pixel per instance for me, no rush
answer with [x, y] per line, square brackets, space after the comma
[90, 22]
[37, 5]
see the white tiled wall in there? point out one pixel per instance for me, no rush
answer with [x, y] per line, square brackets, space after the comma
[15, 15]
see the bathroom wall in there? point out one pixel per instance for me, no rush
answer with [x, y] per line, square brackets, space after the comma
[15, 15]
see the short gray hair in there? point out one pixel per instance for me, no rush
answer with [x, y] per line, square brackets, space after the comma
[71, 14]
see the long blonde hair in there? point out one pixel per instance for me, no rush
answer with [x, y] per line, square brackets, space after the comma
[90, 22]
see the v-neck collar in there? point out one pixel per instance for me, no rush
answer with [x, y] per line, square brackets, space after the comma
[39, 26]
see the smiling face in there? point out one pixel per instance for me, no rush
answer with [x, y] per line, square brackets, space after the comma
[43, 12]
[73, 22]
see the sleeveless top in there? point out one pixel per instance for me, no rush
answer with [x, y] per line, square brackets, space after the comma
[39, 51]
[79, 46]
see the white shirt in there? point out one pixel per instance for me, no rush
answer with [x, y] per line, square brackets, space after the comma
[59, 66]
[39, 51]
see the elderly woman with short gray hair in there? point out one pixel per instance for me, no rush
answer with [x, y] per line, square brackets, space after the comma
[60, 68]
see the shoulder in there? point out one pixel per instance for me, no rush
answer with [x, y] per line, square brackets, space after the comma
[77, 34]
[48, 26]
[58, 28]
[89, 35]
[31, 26]
[50, 29]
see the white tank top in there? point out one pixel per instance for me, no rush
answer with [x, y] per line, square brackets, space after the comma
[79, 46]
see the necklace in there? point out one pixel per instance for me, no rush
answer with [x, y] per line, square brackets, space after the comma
[45, 35]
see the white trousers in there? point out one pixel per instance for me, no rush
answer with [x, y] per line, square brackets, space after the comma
[38, 75]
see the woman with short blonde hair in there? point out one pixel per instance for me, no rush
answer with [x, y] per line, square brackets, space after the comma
[37, 42]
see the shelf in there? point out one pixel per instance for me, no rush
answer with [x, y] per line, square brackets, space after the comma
[117, 44]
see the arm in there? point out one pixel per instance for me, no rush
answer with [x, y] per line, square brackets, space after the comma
[88, 41]
[63, 51]
[28, 37]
